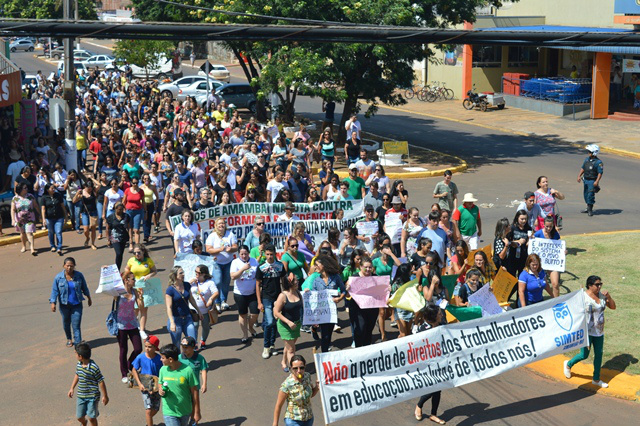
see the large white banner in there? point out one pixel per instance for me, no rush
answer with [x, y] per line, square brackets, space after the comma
[366, 379]
[552, 253]
[316, 217]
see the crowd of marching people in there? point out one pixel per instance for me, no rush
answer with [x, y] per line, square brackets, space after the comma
[143, 158]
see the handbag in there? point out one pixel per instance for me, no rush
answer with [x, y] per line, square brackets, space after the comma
[556, 212]
[112, 318]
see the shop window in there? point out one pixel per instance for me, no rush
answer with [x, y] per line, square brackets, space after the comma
[523, 56]
[487, 56]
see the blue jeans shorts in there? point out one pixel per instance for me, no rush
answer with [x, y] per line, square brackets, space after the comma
[87, 407]
[137, 217]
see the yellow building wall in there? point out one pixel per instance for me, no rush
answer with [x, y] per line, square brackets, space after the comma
[583, 13]
[450, 75]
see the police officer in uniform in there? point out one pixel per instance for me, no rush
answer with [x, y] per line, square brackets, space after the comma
[590, 174]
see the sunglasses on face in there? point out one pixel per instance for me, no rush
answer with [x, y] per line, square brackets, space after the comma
[293, 246]
[297, 368]
[430, 263]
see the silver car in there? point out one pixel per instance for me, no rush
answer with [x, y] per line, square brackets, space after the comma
[198, 88]
[24, 44]
[172, 89]
[99, 61]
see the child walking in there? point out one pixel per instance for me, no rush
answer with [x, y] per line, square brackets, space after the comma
[90, 383]
[149, 362]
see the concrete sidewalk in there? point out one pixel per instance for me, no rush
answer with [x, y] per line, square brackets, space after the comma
[618, 137]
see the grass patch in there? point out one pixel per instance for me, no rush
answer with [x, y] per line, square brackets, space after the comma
[614, 259]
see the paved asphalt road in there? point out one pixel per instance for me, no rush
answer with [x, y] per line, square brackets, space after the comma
[38, 368]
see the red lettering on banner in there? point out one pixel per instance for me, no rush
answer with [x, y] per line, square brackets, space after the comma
[423, 352]
[239, 220]
[334, 374]
[212, 224]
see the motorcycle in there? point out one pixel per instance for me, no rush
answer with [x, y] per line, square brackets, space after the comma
[474, 100]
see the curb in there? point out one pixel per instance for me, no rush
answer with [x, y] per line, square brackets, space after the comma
[615, 151]
[621, 385]
[418, 175]
[15, 239]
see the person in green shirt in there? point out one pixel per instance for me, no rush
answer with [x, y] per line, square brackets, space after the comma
[134, 169]
[356, 183]
[258, 251]
[294, 261]
[178, 389]
[196, 361]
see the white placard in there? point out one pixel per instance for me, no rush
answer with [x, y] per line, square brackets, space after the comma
[551, 252]
[319, 308]
[486, 300]
[110, 282]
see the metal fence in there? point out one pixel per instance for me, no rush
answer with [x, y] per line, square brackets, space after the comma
[557, 89]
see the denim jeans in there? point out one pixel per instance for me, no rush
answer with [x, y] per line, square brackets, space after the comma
[82, 158]
[222, 278]
[54, 228]
[137, 216]
[176, 421]
[183, 325]
[148, 219]
[74, 211]
[291, 422]
[268, 323]
[72, 317]
[100, 206]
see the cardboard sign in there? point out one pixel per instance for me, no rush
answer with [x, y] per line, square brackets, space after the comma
[110, 283]
[486, 300]
[408, 297]
[502, 285]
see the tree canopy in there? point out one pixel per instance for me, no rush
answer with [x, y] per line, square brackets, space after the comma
[146, 54]
[351, 73]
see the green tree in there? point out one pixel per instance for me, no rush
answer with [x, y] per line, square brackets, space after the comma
[147, 54]
[358, 72]
[44, 9]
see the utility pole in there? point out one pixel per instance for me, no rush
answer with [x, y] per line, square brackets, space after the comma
[75, 15]
[69, 95]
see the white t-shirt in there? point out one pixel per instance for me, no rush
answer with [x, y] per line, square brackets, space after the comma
[14, 170]
[275, 187]
[355, 127]
[185, 236]
[365, 168]
[216, 242]
[113, 197]
[202, 290]
[246, 284]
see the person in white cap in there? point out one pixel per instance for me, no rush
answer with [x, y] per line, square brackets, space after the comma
[466, 221]
[590, 174]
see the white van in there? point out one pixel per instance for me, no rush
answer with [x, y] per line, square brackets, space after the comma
[79, 66]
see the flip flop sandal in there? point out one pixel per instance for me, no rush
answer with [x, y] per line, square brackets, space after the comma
[69, 344]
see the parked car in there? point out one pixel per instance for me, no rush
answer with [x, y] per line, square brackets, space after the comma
[239, 94]
[27, 80]
[79, 66]
[198, 88]
[80, 55]
[57, 52]
[160, 72]
[219, 72]
[171, 89]
[99, 61]
[23, 44]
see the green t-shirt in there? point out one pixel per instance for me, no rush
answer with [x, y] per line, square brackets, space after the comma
[295, 265]
[467, 219]
[381, 268]
[355, 187]
[347, 272]
[255, 253]
[197, 364]
[177, 398]
[134, 171]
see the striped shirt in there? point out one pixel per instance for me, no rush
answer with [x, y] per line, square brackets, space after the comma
[89, 377]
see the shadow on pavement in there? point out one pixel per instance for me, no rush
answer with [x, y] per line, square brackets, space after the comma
[477, 413]
[103, 341]
[219, 363]
[605, 212]
[225, 422]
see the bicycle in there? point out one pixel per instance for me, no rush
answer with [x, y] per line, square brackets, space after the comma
[412, 91]
[438, 92]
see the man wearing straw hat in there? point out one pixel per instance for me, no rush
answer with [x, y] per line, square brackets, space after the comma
[466, 220]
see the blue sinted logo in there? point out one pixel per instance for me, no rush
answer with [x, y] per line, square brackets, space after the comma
[562, 315]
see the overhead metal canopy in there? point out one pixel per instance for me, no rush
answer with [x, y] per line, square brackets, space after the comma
[314, 33]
